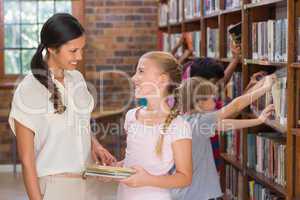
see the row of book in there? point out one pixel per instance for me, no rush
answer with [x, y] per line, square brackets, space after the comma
[259, 192]
[269, 40]
[163, 14]
[170, 43]
[192, 9]
[276, 96]
[234, 144]
[211, 6]
[175, 11]
[229, 4]
[212, 42]
[234, 87]
[266, 155]
[234, 183]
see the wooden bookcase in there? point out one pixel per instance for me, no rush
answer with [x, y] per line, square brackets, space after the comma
[248, 13]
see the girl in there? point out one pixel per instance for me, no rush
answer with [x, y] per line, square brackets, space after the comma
[156, 136]
[50, 116]
[197, 97]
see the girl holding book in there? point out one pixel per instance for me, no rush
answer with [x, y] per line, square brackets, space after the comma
[157, 137]
[197, 97]
[50, 116]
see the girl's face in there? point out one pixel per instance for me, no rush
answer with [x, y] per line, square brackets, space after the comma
[206, 105]
[69, 54]
[149, 79]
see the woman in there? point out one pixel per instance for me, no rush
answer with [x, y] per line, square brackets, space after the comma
[50, 116]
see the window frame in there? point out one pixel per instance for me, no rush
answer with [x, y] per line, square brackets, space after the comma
[77, 11]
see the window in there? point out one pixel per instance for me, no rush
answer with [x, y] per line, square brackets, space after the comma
[23, 20]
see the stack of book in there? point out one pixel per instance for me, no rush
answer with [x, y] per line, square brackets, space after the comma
[277, 96]
[229, 4]
[192, 9]
[163, 14]
[266, 155]
[269, 40]
[196, 43]
[234, 183]
[211, 6]
[257, 191]
[108, 171]
[212, 42]
[234, 144]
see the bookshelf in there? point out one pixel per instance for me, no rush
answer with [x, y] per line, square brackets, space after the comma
[224, 13]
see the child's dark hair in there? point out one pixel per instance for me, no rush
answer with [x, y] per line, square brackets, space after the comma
[58, 30]
[207, 68]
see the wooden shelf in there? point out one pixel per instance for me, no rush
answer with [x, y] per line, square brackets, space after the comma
[101, 114]
[263, 3]
[175, 24]
[261, 178]
[295, 65]
[247, 14]
[212, 15]
[231, 10]
[163, 27]
[274, 124]
[265, 63]
[296, 131]
[194, 20]
[232, 160]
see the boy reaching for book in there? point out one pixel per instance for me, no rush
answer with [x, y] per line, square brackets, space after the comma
[198, 104]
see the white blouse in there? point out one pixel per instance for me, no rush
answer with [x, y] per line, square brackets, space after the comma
[62, 142]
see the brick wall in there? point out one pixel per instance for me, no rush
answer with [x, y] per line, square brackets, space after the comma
[118, 33]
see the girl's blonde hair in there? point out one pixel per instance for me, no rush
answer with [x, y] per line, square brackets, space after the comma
[170, 66]
[194, 89]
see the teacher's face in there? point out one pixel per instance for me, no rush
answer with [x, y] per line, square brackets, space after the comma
[69, 54]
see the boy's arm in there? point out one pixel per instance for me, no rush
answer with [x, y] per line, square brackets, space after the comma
[231, 124]
[236, 52]
[243, 101]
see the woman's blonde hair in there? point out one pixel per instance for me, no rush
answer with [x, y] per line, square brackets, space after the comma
[171, 67]
[194, 89]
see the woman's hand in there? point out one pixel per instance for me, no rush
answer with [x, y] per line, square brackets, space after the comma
[98, 151]
[266, 113]
[140, 179]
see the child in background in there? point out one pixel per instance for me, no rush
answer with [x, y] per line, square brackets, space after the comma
[197, 100]
[157, 138]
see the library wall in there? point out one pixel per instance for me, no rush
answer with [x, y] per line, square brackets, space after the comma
[118, 33]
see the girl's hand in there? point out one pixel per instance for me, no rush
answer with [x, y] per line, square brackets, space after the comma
[269, 81]
[266, 113]
[139, 179]
[235, 50]
[118, 164]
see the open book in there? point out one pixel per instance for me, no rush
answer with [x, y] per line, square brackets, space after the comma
[108, 171]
